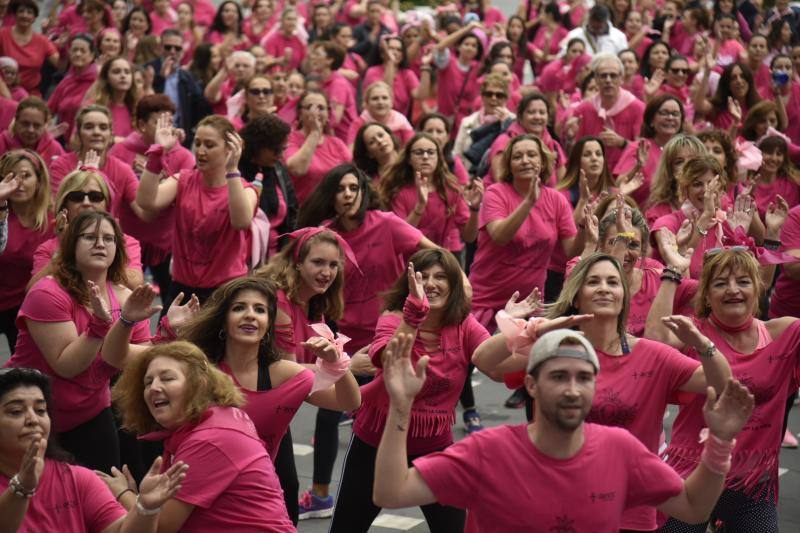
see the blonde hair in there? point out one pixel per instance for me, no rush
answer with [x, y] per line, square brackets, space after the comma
[694, 169]
[41, 198]
[726, 261]
[206, 386]
[663, 189]
[77, 180]
[377, 85]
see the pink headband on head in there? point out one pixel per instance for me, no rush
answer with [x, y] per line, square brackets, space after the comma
[31, 157]
[302, 235]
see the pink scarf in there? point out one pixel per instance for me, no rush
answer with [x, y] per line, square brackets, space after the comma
[624, 99]
[396, 121]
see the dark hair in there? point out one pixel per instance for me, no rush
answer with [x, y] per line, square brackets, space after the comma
[361, 156]
[757, 114]
[16, 5]
[267, 131]
[14, 378]
[644, 65]
[320, 204]
[201, 63]
[723, 139]
[720, 98]
[599, 13]
[219, 26]
[85, 37]
[203, 329]
[774, 35]
[776, 144]
[522, 42]
[333, 51]
[650, 111]
[494, 54]
[33, 102]
[457, 307]
[531, 97]
[375, 56]
[573, 171]
[584, 85]
[463, 38]
[171, 32]
[126, 22]
[447, 149]
[153, 103]
[777, 57]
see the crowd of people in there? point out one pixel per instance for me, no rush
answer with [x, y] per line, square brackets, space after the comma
[356, 206]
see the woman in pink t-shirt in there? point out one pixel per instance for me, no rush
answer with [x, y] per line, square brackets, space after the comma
[189, 28]
[777, 176]
[283, 44]
[546, 44]
[421, 190]
[171, 393]
[28, 130]
[227, 28]
[439, 127]
[33, 462]
[325, 59]
[107, 45]
[736, 94]
[29, 48]
[70, 92]
[115, 89]
[430, 302]
[378, 108]
[309, 274]
[521, 223]
[375, 150]
[244, 311]
[26, 207]
[785, 299]
[214, 206]
[135, 26]
[764, 357]
[311, 151]
[457, 77]
[390, 65]
[262, 18]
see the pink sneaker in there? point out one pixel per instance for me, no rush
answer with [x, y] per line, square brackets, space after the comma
[789, 440]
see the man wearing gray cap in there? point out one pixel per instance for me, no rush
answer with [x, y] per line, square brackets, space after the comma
[556, 473]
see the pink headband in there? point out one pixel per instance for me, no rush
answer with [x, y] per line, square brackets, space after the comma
[302, 235]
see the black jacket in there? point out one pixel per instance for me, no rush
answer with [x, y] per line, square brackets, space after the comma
[192, 103]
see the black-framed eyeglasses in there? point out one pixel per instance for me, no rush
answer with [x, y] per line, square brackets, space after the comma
[419, 152]
[173, 48]
[259, 92]
[77, 197]
[92, 238]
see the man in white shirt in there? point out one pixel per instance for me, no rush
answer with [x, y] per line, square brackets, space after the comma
[598, 34]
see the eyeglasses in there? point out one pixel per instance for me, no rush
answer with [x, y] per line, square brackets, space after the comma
[668, 114]
[494, 94]
[312, 107]
[680, 71]
[259, 92]
[92, 238]
[607, 75]
[419, 152]
[77, 197]
[172, 48]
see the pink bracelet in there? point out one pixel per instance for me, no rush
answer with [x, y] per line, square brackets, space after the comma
[98, 328]
[716, 455]
[155, 163]
[164, 332]
[519, 333]
[415, 311]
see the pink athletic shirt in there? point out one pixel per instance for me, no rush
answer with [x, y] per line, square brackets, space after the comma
[785, 300]
[436, 223]
[626, 124]
[331, 152]
[120, 178]
[432, 414]
[404, 83]
[231, 480]
[78, 399]
[17, 259]
[507, 484]
[767, 374]
[382, 244]
[69, 498]
[289, 337]
[272, 410]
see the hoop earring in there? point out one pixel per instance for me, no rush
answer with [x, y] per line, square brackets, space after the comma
[222, 335]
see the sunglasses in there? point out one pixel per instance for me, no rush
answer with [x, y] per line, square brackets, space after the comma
[77, 197]
[173, 48]
[680, 71]
[711, 252]
[260, 92]
[494, 94]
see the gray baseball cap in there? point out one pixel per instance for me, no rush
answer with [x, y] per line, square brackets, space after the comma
[550, 344]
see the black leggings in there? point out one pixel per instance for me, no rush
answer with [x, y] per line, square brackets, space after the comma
[738, 513]
[95, 443]
[355, 511]
[162, 276]
[326, 444]
[467, 395]
[8, 327]
[287, 475]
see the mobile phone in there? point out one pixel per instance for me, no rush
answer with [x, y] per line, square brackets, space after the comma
[780, 78]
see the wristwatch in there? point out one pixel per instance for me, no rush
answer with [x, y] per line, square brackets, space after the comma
[710, 350]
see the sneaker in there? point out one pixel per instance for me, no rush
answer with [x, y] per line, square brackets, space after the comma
[789, 441]
[517, 399]
[346, 419]
[313, 506]
[472, 421]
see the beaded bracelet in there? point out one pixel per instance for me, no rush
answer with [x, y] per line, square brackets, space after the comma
[125, 322]
[16, 488]
[667, 276]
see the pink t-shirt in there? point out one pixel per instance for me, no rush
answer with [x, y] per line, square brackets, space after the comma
[341, 92]
[521, 264]
[627, 160]
[161, 23]
[765, 193]
[767, 374]
[432, 413]
[276, 43]
[403, 130]
[204, 11]
[457, 89]
[69, 498]
[632, 392]
[331, 152]
[30, 57]
[8, 108]
[587, 492]
[17, 260]
[405, 82]
[785, 299]
[275, 222]
[121, 120]
[48, 149]
[78, 399]
[44, 254]
[437, 223]
[206, 250]
[120, 178]
[382, 245]
[548, 42]
[272, 410]
[289, 337]
[627, 123]
[68, 96]
[231, 480]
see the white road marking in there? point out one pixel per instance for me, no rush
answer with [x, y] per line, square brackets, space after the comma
[782, 471]
[302, 449]
[393, 521]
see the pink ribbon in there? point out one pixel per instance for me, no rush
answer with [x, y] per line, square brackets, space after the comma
[749, 156]
[764, 256]
[302, 235]
[520, 334]
[329, 372]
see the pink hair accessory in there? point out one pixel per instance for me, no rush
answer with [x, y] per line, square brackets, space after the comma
[329, 372]
[716, 455]
[302, 235]
[749, 155]
[520, 334]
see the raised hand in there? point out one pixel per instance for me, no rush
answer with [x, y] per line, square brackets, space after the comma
[583, 186]
[726, 416]
[631, 184]
[473, 193]
[671, 253]
[653, 84]
[415, 286]
[403, 381]
[776, 214]
[119, 480]
[611, 138]
[592, 231]
[684, 233]
[322, 348]
[534, 188]
[562, 322]
[91, 160]
[421, 184]
[30, 471]
[155, 489]
[524, 308]
[741, 214]
[57, 130]
[99, 307]
[62, 221]
[139, 305]
[234, 144]
[734, 109]
[710, 198]
[10, 183]
[166, 135]
[624, 222]
[684, 328]
[178, 314]
[642, 152]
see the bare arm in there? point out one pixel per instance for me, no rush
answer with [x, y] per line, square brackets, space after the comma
[502, 231]
[67, 352]
[300, 161]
